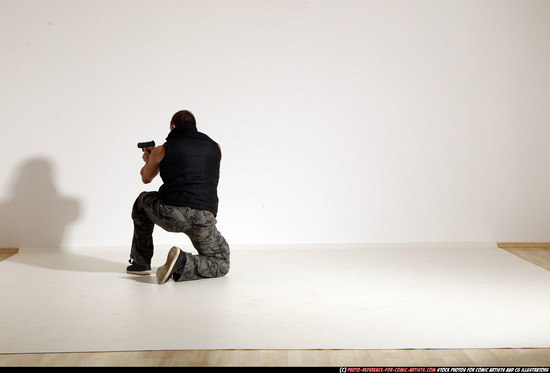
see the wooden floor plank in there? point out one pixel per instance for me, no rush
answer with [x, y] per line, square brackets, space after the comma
[5, 253]
[319, 358]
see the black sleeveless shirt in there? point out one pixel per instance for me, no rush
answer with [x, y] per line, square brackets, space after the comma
[190, 170]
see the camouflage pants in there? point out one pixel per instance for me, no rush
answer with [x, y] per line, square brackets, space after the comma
[199, 225]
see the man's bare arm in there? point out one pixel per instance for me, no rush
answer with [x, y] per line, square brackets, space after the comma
[152, 163]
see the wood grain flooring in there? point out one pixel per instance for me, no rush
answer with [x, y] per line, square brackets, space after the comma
[301, 358]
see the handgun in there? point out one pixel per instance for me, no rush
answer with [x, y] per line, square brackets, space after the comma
[144, 145]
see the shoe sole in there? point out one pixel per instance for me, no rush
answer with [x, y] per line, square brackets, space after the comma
[164, 272]
[139, 273]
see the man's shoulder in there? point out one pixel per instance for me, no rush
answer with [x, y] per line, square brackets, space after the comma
[208, 138]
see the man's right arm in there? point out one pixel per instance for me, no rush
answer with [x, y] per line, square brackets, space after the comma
[152, 163]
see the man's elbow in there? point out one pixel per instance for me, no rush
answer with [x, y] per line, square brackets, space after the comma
[148, 174]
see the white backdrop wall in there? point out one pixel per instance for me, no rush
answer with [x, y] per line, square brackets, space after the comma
[342, 121]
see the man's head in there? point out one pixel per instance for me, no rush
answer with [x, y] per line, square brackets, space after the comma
[183, 118]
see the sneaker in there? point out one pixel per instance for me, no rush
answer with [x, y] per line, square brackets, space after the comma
[138, 269]
[175, 260]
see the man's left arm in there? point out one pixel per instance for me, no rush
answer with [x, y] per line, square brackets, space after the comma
[152, 163]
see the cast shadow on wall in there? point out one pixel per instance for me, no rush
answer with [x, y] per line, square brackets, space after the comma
[36, 215]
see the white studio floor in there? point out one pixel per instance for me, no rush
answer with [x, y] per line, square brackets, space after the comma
[278, 297]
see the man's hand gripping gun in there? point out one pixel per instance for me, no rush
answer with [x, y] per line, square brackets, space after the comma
[145, 145]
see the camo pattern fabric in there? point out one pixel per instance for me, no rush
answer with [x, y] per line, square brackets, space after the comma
[199, 225]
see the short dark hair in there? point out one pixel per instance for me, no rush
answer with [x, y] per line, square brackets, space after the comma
[183, 118]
